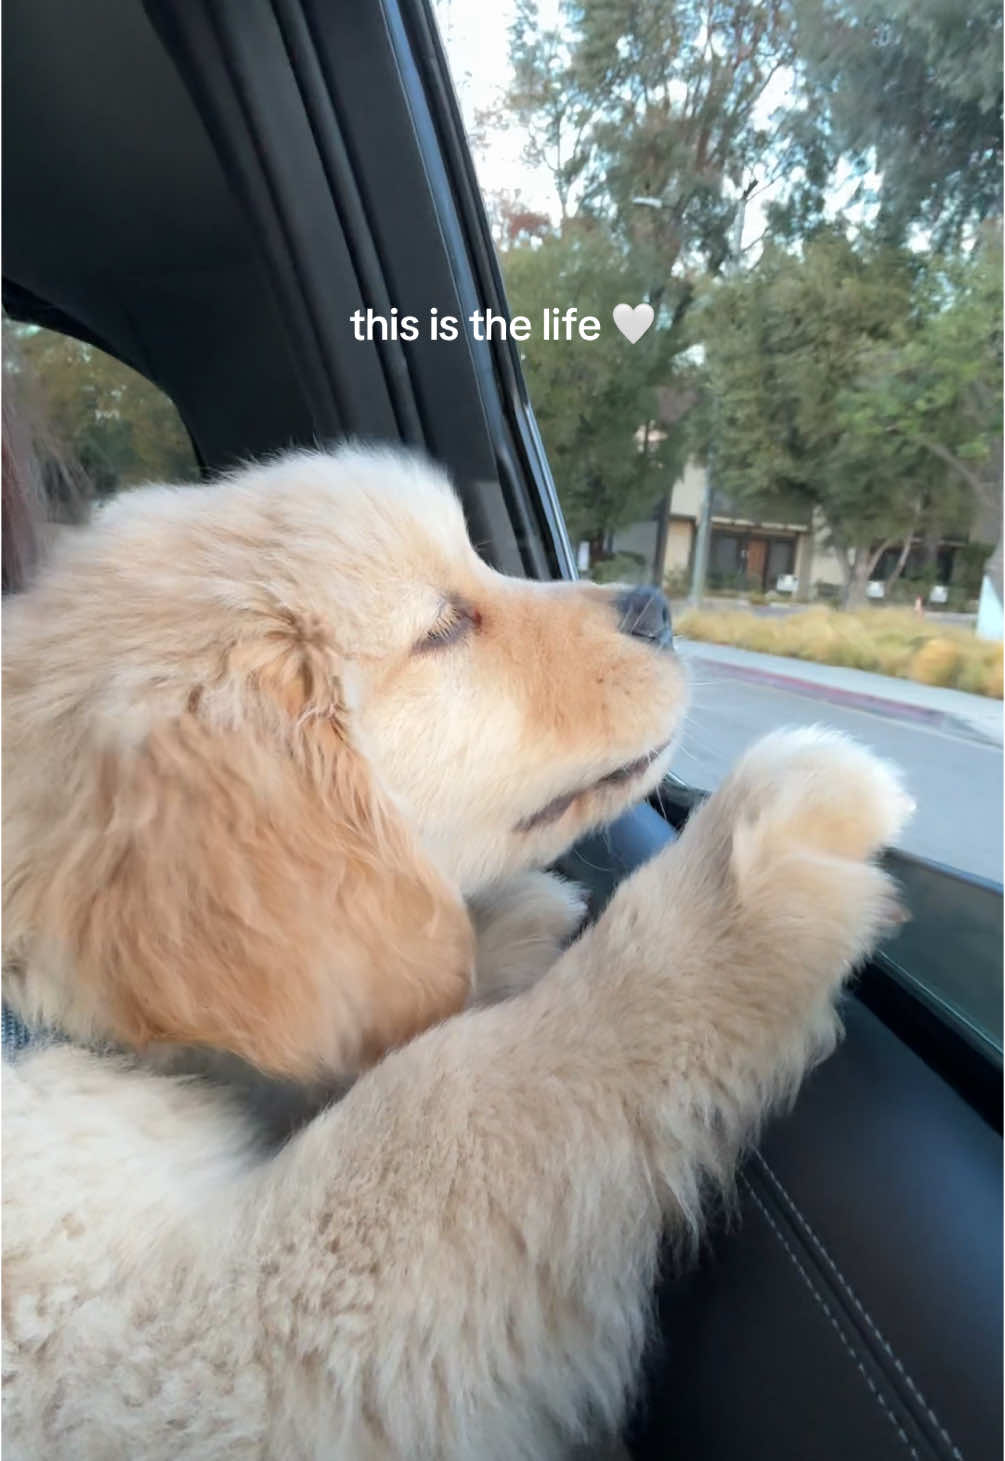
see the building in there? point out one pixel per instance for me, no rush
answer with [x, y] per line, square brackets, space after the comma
[745, 552]
[783, 548]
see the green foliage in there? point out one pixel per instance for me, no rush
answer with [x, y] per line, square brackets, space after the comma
[105, 417]
[656, 100]
[860, 380]
[968, 567]
[621, 568]
[912, 89]
[933, 388]
[782, 342]
[593, 398]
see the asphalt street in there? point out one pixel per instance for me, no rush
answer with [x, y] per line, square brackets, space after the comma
[954, 776]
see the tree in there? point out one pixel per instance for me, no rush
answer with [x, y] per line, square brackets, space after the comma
[119, 428]
[595, 400]
[513, 222]
[913, 90]
[934, 390]
[647, 113]
[652, 98]
[654, 119]
[790, 351]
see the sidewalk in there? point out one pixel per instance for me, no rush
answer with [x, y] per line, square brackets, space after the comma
[782, 609]
[953, 711]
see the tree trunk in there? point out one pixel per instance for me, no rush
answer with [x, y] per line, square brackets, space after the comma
[905, 551]
[859, 572]
[987, 493]
[597, 541]
[898, 567]
[993, 502]
[658, 567]
[930, 555]
[857, 580]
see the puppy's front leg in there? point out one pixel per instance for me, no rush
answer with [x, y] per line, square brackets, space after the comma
[478, 1223]
[521, 927]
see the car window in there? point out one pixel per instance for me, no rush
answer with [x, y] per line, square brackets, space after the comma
[102, 427]
[762, 341]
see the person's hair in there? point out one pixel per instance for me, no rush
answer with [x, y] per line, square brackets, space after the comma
[41, 484]
[23, 520]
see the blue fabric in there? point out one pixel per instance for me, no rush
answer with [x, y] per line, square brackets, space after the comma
[15, 1034]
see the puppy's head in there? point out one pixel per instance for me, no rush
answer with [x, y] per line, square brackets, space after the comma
[261, 738]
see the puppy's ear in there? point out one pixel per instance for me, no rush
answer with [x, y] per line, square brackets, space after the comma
[240, 881]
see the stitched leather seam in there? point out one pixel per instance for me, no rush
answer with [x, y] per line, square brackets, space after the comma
[881, 1339]
[822, 1303]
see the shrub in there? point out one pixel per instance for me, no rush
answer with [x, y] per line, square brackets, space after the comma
[620, 568]
[968, 567]
[937, 663]
[884, 641]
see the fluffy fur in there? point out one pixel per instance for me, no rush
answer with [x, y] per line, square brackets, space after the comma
[245, 792]
[251, 805]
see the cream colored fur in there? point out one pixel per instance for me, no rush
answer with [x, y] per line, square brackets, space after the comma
[246, 793]
[454, 1262]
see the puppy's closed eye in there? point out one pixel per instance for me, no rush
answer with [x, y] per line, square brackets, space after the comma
[456, 619]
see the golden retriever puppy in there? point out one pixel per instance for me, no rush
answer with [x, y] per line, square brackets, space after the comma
[262, 741]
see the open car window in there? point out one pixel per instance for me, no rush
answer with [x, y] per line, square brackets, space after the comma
[762, 340]
[106, 426]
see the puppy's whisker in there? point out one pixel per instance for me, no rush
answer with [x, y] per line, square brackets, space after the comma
[531, 941]
[594, 867]
[692, 756]
[638, 619]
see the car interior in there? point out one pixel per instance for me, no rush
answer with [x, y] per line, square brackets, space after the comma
[206, 190]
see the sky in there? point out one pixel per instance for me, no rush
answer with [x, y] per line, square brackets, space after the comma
[476, 39]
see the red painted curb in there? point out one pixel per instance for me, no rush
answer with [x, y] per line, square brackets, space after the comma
[836, 695]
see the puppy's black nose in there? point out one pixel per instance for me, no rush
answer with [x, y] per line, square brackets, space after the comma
[645, 614]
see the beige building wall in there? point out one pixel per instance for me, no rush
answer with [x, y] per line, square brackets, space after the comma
[688, 492]
[678, 554]
[826, 565]
[804, 565]
[816, 561]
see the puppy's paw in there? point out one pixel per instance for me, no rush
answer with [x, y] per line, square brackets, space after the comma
[521, 926]
[806, 811]
[817, 789]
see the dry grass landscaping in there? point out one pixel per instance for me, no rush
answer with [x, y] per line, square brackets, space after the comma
[885, 641]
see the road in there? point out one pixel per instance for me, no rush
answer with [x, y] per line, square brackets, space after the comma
[956, 779]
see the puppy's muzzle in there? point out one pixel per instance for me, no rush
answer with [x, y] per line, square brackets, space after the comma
[645, 614]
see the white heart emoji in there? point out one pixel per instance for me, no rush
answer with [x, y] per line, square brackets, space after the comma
[633, 323]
